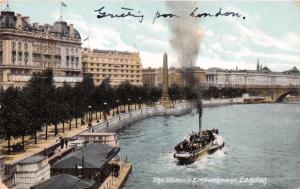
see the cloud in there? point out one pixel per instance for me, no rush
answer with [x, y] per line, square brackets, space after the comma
[101, 38]
[263, 39]
[156, 27]
[234, 43]
[293, 39]
[238, 46]
[146, 42]
[155, 60]
[205, 62]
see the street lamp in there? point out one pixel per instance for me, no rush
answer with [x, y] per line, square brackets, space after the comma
[141, 108]
[129, 104]
[117, 101]
[153, 100]
[105, 110]
[90, 117]
[140, 101]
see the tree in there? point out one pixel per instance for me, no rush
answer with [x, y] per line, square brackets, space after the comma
[60, 109]
[13, 115]
[108, 94]
[155, 94]
[39, 101]
[82, 96]
[97, 97]
[124, 93]
[66, 99]
[175, 92]
[141, 93]
[294, 70]
[50, 106]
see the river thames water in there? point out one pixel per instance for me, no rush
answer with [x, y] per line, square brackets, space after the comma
[262, 143]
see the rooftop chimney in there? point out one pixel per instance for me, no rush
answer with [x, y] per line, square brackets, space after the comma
[26, 19]
[36, 25]
[19, 22]
[71, 33]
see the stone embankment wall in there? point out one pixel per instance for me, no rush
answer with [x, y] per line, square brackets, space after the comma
[117, 122]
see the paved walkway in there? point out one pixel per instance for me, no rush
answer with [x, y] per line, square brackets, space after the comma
[31, 148]
[118, 182]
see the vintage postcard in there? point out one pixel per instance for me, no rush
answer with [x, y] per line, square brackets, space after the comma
[149, 94]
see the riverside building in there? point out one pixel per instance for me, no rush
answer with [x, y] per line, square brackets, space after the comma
[236, 78]
[176, 76]
[117, 66]
[27, 48]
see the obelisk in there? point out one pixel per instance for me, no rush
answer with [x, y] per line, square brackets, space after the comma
[165, 76]
[165, 100]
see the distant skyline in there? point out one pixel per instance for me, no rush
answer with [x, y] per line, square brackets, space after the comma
[269, 31]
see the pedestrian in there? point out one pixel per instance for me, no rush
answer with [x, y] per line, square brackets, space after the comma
[117, 170]
[113, 170]
[66, 142]
[61, 143]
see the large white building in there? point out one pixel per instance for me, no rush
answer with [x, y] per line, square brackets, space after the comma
[27, 48]
[118, 66]
[222, 78]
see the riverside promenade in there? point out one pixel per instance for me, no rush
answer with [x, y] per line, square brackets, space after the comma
[112, 124]
[119, 121]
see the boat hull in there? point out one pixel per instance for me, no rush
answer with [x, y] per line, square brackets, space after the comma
[186, 158]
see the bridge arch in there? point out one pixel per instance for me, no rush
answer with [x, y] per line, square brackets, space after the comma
[282, 96]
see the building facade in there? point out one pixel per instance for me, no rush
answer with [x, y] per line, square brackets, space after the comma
[176, 76]
[118, 66]
[110, 139]
[31, 171]
[222, 78]
[27, 48]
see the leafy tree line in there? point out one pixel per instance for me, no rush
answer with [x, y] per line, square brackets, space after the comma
[25, 112]
[226, 92]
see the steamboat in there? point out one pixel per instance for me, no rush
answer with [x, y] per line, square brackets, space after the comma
[198, 144]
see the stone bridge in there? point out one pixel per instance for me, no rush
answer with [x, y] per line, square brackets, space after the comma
[276, 93]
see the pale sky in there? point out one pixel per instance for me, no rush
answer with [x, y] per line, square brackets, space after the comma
[271, 30]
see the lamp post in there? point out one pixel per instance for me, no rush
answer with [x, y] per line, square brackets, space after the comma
[153, 100]
[105, 118]
[140, 102]
[90, 117]
[117, 101]
[129, 104]
[105, 110]
[173, 100]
